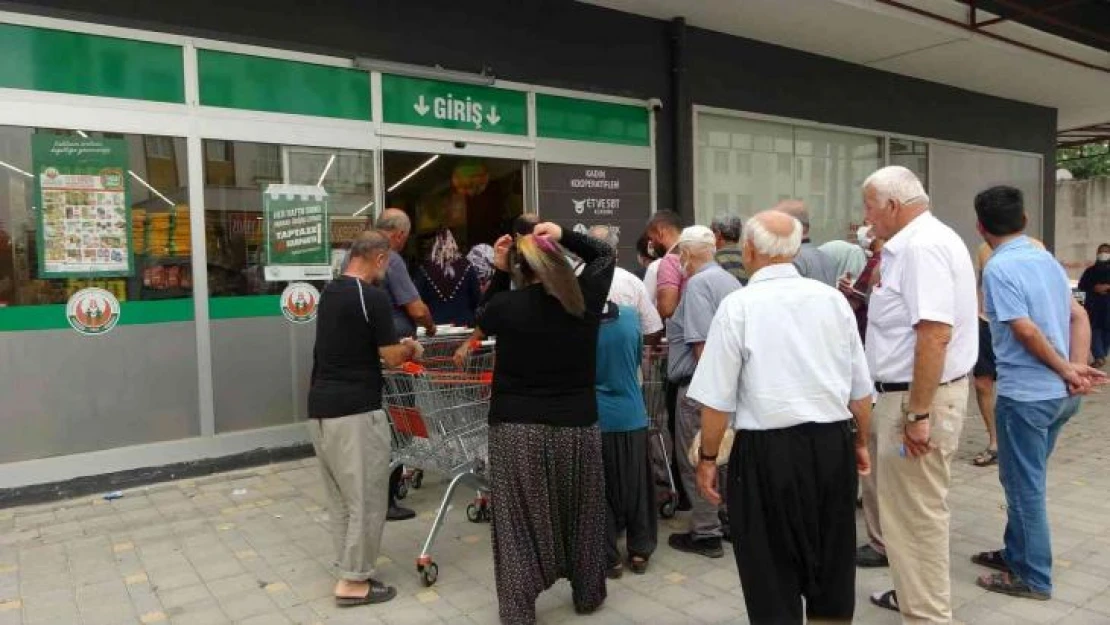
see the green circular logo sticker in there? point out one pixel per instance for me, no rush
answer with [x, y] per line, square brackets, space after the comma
[93, 311]
[299, 302]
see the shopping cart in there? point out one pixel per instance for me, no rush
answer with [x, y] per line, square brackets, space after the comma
[654, 372]
[439, 352]
[438, 419]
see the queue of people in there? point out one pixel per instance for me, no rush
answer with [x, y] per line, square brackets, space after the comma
[796, 376]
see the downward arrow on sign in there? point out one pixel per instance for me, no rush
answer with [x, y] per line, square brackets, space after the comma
[421, 107]
[493, 117]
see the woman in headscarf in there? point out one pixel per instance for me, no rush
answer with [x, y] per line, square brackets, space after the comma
[481, 258]
[545, 458]
[448, 283]
[849, 258]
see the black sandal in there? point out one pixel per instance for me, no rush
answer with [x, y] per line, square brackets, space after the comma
[887, 600]
[986, 458]
[377, 593]
[1009, 584]
[991, 560]
[638, 565]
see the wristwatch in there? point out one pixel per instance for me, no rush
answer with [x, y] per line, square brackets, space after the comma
[706, 457]
[912, 417]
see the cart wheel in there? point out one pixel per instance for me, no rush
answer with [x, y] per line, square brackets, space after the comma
[402, 490]
[668, 508]
[429, 574]
[417, 479]
[473, 513]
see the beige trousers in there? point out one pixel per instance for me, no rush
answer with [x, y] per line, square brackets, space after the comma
[913, 502]
[354, 461]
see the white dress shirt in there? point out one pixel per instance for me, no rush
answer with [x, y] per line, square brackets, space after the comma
[651, 280]
[782, 351]
[927, 275]
[627, 290]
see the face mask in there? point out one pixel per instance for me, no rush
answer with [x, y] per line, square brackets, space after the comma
[864, 237]
[1103, 257]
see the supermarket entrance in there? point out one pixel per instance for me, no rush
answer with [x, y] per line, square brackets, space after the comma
[475, 197]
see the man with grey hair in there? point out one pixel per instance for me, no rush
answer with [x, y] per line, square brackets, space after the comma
[792, 397]
[628, 290]
[922, 342]
[728, 230]
[707, 284]
[349, 430]
[810, 261]
[408, 309]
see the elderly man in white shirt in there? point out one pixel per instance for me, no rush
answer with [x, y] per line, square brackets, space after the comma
[784, 355]
[628, 290]
[922, 342]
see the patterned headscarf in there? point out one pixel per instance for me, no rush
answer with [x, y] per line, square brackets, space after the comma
[445, 266]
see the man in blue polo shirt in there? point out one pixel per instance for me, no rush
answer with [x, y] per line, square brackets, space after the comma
[1041, 339]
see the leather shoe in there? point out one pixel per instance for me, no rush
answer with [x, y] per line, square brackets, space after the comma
[868, 558]
[397, 513]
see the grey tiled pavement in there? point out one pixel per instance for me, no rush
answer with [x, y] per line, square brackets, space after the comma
[196, 553]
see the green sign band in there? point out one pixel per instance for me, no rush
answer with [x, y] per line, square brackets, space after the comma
[53, 316]
[453, 106]
[559, 117]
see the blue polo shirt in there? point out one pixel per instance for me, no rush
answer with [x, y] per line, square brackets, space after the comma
[620, 400]
[1021, 280]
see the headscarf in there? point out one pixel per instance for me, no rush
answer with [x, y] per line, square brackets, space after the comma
[848, 257]
[445, 266]
[481, 258]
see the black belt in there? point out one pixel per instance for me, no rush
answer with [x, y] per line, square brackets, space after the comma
[902, 387]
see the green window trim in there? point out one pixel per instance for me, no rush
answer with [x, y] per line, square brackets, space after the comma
[42, 59]
[241, 81]
[559, 117]
[53, 316]
[244, 306]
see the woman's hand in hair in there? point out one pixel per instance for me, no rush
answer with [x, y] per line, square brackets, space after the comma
[501, 252]
[550, 230]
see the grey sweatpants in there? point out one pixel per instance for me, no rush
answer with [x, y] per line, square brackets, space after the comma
[704, 522]
[354, 462]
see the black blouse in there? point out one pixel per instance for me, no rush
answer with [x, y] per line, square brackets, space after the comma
[544, 372]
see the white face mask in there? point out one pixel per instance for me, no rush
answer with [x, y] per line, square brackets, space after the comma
[864, 237]
[1103, 257]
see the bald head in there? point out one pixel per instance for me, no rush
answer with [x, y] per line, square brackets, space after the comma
[395, 224]
[771, 237]
[605, 233]
[797, 210]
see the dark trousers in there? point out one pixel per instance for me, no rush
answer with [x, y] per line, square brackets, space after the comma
[672, 414]
[630, 493]
[792, 507]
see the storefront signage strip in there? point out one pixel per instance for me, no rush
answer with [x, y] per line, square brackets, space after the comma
[454, 106]
[53, 316]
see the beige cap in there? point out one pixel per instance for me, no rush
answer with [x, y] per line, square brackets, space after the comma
[696, 235]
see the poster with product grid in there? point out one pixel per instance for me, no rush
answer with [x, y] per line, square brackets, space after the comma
[84, 208]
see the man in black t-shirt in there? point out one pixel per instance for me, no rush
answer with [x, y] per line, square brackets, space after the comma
[350, 431]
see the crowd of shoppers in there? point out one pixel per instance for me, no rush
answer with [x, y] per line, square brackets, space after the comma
[830, 365]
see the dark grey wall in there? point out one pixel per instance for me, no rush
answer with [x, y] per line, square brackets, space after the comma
[563, 43]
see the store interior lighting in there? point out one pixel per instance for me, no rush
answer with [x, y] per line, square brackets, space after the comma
[361, 210]
[485, 78]
[150, 188]
[411, 174]
[15, 169]
[327, 168]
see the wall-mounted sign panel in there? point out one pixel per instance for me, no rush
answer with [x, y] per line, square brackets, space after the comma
[453, 106]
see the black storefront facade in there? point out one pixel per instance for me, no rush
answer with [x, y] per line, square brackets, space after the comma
[674, 117]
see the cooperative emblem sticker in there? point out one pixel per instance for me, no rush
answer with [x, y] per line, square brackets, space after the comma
[299, 302]
[93, 311]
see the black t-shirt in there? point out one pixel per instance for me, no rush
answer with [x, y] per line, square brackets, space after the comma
[346, 369]
[545, 367]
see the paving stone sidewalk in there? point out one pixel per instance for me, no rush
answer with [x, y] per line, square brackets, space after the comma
[249, 547]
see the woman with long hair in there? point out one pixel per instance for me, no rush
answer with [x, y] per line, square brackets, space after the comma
[549, 509]
[448, 283]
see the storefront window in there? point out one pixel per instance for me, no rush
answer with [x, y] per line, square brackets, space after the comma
[913, 155]
[777, 161]
[261, 361]
[131, 238]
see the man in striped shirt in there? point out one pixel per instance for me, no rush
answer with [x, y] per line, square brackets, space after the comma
[727, 229]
